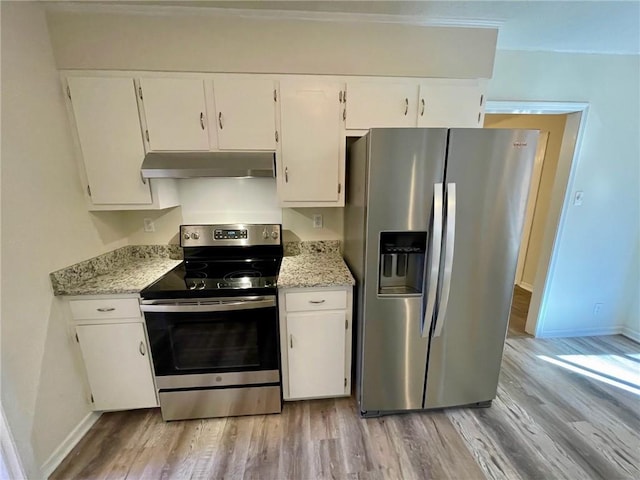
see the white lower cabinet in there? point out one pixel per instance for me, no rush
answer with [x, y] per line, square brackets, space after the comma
[315, 332]
[115, 354]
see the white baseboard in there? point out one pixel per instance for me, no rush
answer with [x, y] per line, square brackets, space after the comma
[10, 458]
[68, 443]
[526, 286]
[581, 332]
[631, 333]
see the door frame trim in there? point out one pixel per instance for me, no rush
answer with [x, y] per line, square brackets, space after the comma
[560, 196]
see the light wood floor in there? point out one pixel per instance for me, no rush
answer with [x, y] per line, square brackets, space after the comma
[554, 417]
[519, 312]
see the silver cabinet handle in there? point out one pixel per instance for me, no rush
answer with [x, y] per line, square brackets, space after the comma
[220, 120]
[422, 110]
[142, 350]
[406, 106]
[317, 302]
[144, 180]
[448, 258]
[291, 340]
[434, 269]
[202, 120]
[106, 309]
[286, 174]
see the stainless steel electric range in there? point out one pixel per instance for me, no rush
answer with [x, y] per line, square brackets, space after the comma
[213, 323]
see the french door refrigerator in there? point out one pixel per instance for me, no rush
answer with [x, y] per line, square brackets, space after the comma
[433, 221]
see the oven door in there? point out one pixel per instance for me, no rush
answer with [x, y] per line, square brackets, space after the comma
[213, 341]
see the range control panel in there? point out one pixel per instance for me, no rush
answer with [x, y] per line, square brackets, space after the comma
[220, 234]
[230, 235]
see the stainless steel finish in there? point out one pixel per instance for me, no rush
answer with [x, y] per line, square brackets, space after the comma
[491, 170]
[207, 164]
[391, 177]
[144, 180]
[406, 105]
[142, 349]
[431, 276]
[202, 120]
[106, 309]
[286, 174]
[217, 379]
[225, 402]
[422, 110]
[448, 258]
[182, 305]
[220, 120]
[205, 235]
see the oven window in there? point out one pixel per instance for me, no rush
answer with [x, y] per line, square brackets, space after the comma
[214, 345]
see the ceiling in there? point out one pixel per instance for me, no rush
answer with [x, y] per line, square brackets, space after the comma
[607, 27]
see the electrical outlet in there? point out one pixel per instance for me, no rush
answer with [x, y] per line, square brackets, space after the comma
[596, 308]
[317, 220]
[148, 225]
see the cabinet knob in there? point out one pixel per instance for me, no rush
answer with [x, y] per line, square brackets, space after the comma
[422, 111]
[406, 106]
[220, 120]
[202, 120]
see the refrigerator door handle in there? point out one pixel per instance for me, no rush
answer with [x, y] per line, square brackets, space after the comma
[448, 258]
[433, 271]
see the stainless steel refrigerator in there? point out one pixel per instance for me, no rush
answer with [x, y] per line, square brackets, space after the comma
[432, 227]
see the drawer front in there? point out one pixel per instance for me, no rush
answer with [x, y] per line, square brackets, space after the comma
[316, 300]
[105, 308]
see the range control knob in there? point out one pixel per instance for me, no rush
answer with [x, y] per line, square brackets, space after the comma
[265, 234]
[274, 235]
[186, 236]
[195, 235]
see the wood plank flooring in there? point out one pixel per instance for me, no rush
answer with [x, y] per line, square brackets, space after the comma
[565, 408]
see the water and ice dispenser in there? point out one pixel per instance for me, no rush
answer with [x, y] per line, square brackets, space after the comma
[402, 257]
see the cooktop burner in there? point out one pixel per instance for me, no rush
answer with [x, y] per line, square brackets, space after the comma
[223, 260]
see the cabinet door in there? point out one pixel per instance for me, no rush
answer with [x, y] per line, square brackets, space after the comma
[451, 103]
[245, 112]
[379, 103]
[117, 364]
[316, 352]
[176, 114]
[312, 140]
[108, 126]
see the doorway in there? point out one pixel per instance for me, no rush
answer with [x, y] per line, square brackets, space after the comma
[539, 255]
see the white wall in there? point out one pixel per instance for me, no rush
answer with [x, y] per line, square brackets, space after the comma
[223, 43]
[45, 226]
[598, 240]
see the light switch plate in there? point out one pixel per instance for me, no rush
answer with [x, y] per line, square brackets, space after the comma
[317, 221]
[148, 225]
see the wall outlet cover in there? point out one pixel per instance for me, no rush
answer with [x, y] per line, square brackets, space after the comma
[148, 225]
[317, 220]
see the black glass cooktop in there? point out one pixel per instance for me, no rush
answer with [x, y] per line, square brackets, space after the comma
[217, 278]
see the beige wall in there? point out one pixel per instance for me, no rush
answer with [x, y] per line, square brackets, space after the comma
[554, 124]
[45, 226]
[223, 43]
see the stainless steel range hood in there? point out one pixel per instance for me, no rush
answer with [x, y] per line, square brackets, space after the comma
[208, 164]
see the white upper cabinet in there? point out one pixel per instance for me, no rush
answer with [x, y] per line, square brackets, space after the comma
[175, 113]
[245, 112]
[312, 147]
[451, 103]
[109, 136]
[381, 103]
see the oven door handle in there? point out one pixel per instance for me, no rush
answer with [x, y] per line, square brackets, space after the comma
[206, 306]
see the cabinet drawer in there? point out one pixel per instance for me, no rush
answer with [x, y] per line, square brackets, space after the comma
[316, 300]
[105, 308]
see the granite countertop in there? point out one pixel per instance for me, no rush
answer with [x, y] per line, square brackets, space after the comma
[314, 264]
[125, 270]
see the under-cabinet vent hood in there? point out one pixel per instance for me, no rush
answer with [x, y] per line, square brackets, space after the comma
[208, 164]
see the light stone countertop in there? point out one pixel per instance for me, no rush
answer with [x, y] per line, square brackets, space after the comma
[314, 270]
[126, 270]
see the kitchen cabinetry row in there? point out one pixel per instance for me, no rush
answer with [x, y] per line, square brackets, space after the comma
[304, 119]
[315, 335]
